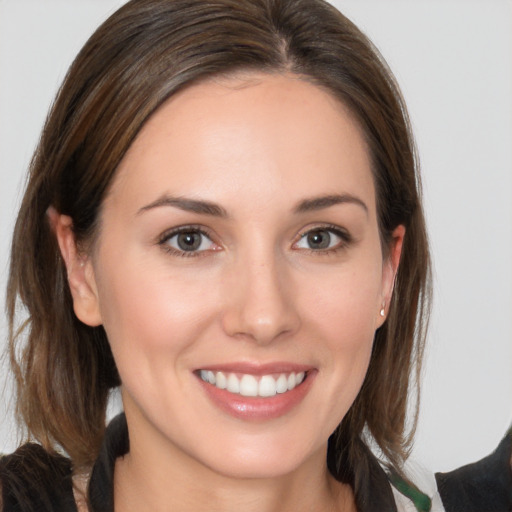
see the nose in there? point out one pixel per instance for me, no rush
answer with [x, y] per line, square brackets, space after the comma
[261, 305]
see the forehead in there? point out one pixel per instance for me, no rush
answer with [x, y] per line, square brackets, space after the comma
[226, 136]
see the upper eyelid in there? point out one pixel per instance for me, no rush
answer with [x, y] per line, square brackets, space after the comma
[337, 230]
[169, 233]
[163, 241]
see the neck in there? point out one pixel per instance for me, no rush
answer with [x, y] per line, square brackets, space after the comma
[137, 489]
[152, 478]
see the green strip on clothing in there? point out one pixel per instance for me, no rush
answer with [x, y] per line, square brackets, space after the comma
[421, 501]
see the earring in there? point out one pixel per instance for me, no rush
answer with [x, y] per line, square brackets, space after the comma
[382, 311]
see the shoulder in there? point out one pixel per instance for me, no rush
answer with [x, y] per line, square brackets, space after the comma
[33, 479]
[483, 485]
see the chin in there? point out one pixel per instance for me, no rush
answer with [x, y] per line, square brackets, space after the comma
[270, 458]
[263, 467]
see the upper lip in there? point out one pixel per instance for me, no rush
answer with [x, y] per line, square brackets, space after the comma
[257, 369]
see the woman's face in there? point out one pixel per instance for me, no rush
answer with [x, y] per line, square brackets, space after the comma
[239, 255]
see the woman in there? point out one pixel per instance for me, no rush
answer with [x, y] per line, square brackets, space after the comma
[223, 217]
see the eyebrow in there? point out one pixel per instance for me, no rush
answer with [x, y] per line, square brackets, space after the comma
[321, 202]
[208, 208]
[188, 205]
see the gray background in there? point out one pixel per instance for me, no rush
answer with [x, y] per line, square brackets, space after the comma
[453, 59]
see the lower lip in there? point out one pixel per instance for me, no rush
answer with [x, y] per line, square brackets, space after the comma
[258, 408]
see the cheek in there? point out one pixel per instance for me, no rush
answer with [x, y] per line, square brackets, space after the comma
[344, 312]
[148, 311]
[346, 303]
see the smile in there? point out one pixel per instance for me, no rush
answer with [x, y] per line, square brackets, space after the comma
[253, 386]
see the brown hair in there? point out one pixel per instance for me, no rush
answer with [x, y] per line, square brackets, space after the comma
[141, 55]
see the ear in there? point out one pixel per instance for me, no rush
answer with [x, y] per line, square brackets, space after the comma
[79, 267]
[389, 270]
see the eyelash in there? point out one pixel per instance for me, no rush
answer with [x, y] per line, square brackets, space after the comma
[168, 235]
[344, 236]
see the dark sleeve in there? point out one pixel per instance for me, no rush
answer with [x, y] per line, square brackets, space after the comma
[33, 480]
[484, 486]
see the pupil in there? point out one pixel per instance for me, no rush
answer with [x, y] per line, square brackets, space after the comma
[189, 241]
[319, 240]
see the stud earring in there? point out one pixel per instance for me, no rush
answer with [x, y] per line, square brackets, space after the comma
[382, 311]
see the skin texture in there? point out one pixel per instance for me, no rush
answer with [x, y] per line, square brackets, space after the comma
[255, 292]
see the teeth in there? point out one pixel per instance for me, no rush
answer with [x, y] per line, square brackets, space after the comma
[233, 384]
[282, 384]
[221, 381]
[267, 386]
[249, 385]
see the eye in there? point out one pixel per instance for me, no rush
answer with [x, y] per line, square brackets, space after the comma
[187, 241]
[322, 239]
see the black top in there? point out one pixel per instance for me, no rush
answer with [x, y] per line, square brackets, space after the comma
[33, 480]
[484, 486]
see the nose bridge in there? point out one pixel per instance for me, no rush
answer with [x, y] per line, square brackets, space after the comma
[261, 306]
